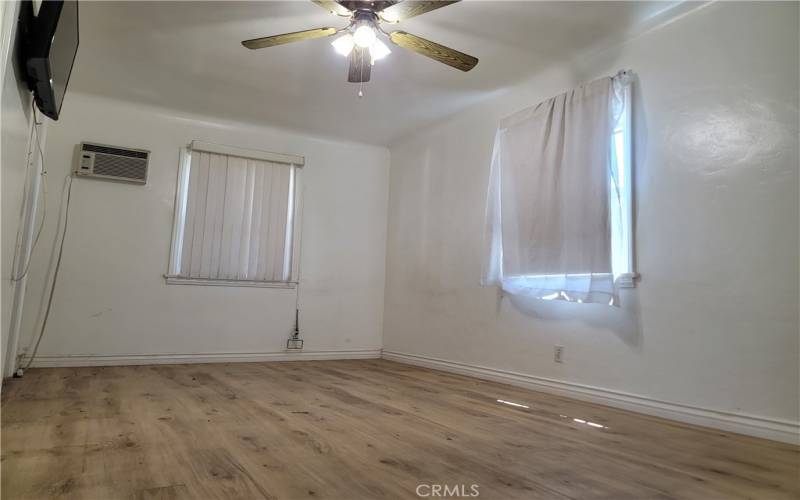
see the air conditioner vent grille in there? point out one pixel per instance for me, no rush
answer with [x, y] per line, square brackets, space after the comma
[118, 166]
[94, 148]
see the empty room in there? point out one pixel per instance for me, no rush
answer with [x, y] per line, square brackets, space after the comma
[400, 249]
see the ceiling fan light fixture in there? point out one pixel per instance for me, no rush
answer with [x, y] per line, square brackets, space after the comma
[344, 44]
[378, 50]
[361, 41]
[364, 36]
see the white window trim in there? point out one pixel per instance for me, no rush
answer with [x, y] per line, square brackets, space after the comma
[177, 280]
[252, 154]
[628, 279]
[179, 216]
[624, 280]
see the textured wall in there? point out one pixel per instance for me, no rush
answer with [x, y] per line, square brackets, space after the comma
[111, 298]
[714, 321]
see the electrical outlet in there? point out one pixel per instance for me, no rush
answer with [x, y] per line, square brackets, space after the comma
[558, 354]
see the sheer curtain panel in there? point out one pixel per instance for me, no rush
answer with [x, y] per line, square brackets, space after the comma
[553, 195]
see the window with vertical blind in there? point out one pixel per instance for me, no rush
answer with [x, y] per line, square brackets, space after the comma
[236, 217]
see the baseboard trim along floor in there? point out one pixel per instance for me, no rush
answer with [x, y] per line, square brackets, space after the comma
[768, 428]
[45, 361]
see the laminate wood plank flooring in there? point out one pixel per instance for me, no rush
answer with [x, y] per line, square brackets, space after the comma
[356, 429]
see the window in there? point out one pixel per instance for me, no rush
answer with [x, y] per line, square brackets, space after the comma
[237, 217]
[621, 190]
[559, 204]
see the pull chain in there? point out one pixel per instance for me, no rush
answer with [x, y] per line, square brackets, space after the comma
[361, 80]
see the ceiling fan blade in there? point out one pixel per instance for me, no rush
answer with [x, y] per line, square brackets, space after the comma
[297, 36]
[360, 65]
[412, 8]
[446, 55]
[332, 6]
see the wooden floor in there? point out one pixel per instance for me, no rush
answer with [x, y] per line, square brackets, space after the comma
[367, 429]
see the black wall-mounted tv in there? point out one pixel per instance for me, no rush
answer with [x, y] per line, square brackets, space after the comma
[49, 46]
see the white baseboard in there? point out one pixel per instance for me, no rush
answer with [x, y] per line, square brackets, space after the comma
[46, 361]
[751, 425]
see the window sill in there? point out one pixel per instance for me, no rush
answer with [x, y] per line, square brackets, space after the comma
[627, 280]
[177, 280]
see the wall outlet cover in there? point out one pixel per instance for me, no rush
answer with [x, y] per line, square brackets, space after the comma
[558, 354]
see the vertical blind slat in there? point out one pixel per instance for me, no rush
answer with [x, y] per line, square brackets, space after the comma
[236, 215]
[255, 230]
[232, 218]
[196, 248]
[191, 213]
[247, 222]
[206, 229]
[209, 241]
[278, 222]
[263, 252]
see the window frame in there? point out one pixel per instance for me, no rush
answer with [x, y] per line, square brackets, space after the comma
[294, 224]
[627, 278]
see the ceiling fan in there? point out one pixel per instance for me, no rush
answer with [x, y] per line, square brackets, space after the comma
[361, 42]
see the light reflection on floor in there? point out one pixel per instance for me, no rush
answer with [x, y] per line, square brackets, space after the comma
[576, 420]
[510, 403]
[585, 422]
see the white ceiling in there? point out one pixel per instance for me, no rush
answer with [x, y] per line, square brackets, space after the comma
[188, 56]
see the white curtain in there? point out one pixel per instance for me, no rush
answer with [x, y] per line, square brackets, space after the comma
[237, 224]
[552, 194]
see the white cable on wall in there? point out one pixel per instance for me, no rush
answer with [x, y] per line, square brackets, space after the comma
[42, 195]
[55, 278]
[25, 195]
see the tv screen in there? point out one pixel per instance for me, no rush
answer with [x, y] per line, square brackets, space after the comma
[51, 47]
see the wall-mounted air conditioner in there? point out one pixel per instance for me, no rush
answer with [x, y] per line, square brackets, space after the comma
[113, 163]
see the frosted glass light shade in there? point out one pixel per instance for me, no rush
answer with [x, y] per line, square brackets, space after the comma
[379, 50]
[364, 36]
[344, 44]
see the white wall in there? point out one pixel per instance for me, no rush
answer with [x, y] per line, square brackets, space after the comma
[713, 325]
[111, 299]
[15, 117]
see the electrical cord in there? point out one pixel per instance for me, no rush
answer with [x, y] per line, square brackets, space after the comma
[297, 311]
[25, 189]
[43, 193]
[55, 276]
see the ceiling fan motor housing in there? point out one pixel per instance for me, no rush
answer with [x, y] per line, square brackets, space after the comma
[367, 17]
[361, 5]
